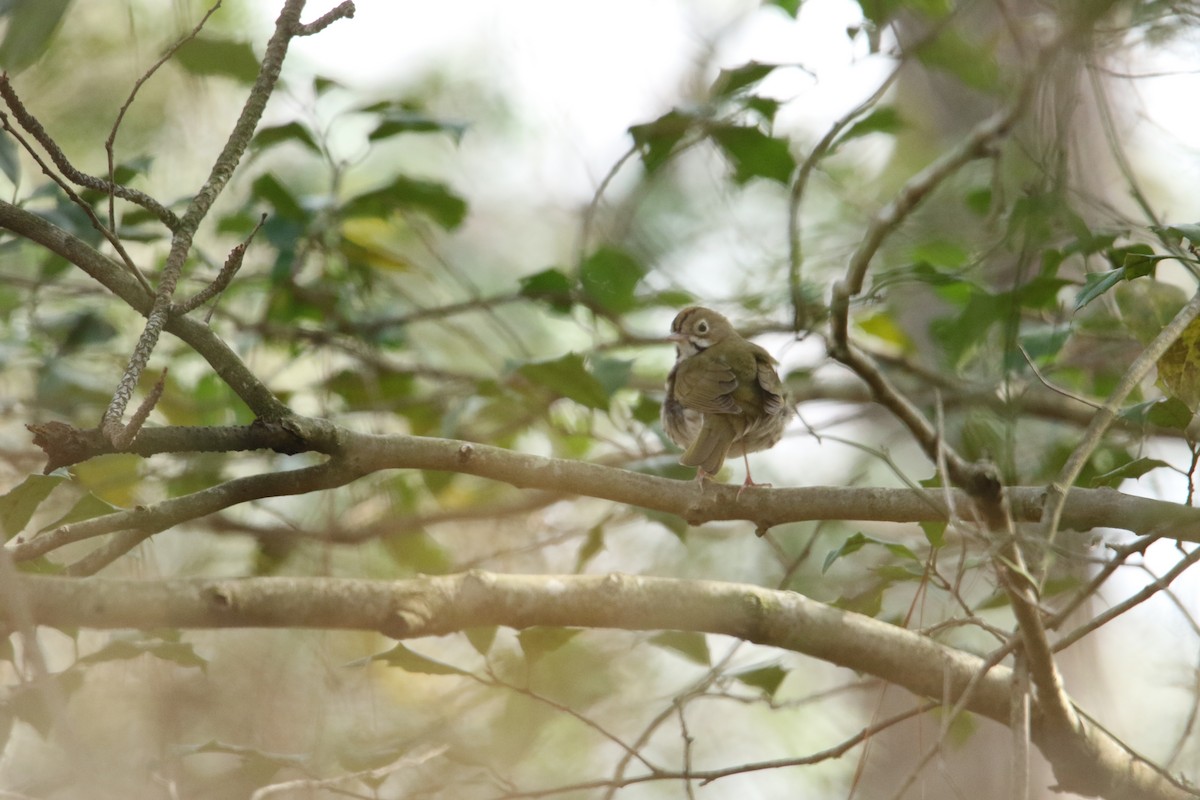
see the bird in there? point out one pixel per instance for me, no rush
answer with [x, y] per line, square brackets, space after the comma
[724, 396]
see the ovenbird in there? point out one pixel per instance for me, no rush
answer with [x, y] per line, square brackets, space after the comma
[723, 394]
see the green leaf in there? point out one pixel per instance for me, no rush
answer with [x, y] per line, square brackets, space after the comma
[539, 641]
[1169, 413]
[481, 638]
[1138, 265]
[87, 507]
[766, 678]
[221, 57]
[731, 81]
[935, 533]
[550, 286]
[268, 188]
[592, 544]
[612, 373]
[31, 26]
[1189, 231]
[567, 377]
[278, 134]
[1134, 469]
[979, 201]
[655, 141]
[180, 653]
[419, 552]
[409, 661]
[868, 602]
[434, 199]
[1096, 284]
[789, 7]
[609, 276]
[692, 646]
[765, 107]
[18, 505]
[27, 703]
[10, 160]
[884, 119]
[672, 522]
[968, 61]
[860, 540]
[1117, 256]
[321, 84]
[398, 121]
[754, 154]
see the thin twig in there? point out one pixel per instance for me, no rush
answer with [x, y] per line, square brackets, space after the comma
[232, 264]
[35, 129]
[110, 235]
[130, 432]
[344, 10]
[112, 135]
[1148, 591]
[796, 196]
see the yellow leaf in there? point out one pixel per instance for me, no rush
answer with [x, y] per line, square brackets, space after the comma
[882, 326]
[1179, 367]
[113, 478]
[369, 241]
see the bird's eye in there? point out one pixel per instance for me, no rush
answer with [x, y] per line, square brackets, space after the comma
[702, 327]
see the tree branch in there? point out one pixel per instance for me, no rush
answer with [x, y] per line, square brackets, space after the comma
[441, 605]
[359, 454]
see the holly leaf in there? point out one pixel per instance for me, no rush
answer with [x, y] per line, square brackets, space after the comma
[551, 286]
[1179, 366]
[18, 505]
[540, 641]
[410, 661]
[754, 154]
[655, 141]
[206, 56]
[609, 276]
[568, 377]
[690, 645]
[768, 679]
[1134, 469]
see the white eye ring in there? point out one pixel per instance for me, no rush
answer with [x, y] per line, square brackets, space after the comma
[702, 327]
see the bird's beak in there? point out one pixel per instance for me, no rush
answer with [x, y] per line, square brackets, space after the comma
[677, 338]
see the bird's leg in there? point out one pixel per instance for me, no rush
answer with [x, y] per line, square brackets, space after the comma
[749, 479]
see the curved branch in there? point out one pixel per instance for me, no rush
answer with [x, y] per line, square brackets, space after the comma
[440, 605]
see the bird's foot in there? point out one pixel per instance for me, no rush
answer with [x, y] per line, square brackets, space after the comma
[748, 483]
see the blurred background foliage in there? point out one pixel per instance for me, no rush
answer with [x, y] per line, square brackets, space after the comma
[437, 259]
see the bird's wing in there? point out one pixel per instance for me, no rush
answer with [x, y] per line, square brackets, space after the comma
[769, 382]
[706, 385]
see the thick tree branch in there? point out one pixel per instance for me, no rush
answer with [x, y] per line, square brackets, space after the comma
[360, 454]
[441, 605]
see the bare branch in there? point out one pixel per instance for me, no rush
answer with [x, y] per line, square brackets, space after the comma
[232, 264]
[137, 85]
[440, 605]
[35, 128]
[344, 10]
[126, 437]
